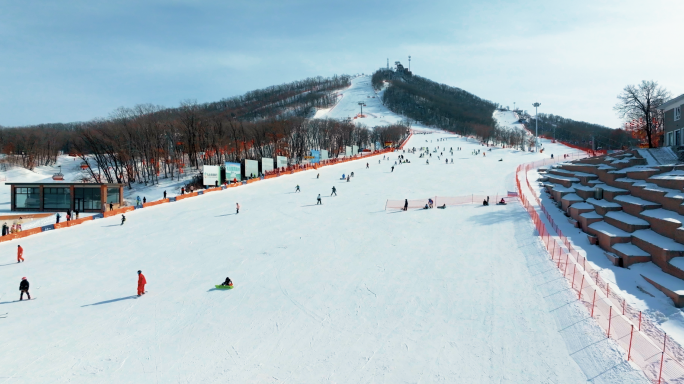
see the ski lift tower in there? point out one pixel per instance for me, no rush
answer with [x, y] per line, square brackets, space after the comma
[409, 63]
[362, 104]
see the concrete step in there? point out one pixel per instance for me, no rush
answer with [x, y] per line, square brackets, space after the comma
[604, 206]
[631, 254]
[608, 235]
[583, 191]
[625, 221]
[568, 200]
[565, 181]
[661, 248]
[671, 199]
[610, 192]
[667, 284]
[588, 218]
[635, 205]
[663, 221]
[578, 208]
[672, 179]
[558, 191]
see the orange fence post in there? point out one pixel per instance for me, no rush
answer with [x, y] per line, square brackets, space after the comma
[574, 267]
[629, 351]
[610, 317]
[593, 304]
[579, 297]
[662, 358]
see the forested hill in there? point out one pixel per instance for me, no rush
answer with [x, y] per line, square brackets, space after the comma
[435, 104]
[456, 110]
[581, 133]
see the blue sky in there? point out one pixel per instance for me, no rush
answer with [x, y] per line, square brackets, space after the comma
[79, 60]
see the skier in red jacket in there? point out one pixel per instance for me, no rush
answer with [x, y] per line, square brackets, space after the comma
[141, 283]
[20, 254]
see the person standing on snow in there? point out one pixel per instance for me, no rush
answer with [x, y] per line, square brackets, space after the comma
[297, 189]
[24, 287]
[165, 194]
[392, 168]
[334, 191]
[137, 200]
[144, 200]
[318, 200]
[182, 191]
[141, 283]
[237, 208]
[57, 217]
[123, 219]
[405, 204]
[5, 229]
[20, 254]
[368, 166]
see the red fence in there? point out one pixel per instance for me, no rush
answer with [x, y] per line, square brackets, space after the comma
[645, 344]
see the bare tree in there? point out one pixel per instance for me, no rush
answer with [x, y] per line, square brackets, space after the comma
[640, 103]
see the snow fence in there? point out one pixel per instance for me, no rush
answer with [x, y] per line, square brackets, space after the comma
[646, 345]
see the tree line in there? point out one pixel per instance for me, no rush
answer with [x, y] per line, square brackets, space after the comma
[580, 133]
[147, 142]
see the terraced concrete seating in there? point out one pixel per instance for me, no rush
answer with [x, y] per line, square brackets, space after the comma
[672, 179]
[625, 221]
[568, 200]
[638, 220]
[603, 206]
[663, 221]
[631, 254]
[565, 181]
[608, 235]
[609, 192]
[578, 208]
[587, 218]
[635, 205]
[585, 192]
[661, 248]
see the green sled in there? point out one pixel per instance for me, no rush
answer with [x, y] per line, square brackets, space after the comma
[224, 286]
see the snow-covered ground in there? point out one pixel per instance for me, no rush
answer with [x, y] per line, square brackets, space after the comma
[344, 292]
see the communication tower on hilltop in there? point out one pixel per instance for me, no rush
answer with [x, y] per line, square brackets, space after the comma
[409, 63]
[388, 63]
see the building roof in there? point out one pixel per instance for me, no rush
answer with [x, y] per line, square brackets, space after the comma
[672, 103]
[50, 184]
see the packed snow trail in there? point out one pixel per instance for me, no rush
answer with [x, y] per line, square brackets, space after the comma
[342, 292]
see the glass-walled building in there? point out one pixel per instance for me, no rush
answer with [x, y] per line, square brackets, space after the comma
[54, 197]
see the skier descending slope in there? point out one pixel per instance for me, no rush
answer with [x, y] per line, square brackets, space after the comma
[123, 219]
[20, 254]
[334, 191]
[237, 208]
[318, 200]
[141, 283]
[297, 189]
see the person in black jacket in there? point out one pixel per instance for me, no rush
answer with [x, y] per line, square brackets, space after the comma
[24, 287]
[5, 229]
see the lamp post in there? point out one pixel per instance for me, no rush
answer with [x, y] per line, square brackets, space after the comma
[536, 124]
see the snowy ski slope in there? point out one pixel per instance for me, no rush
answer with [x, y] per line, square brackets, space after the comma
[344, 292]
